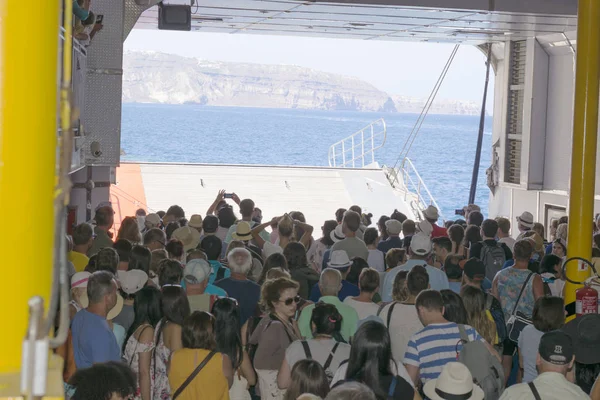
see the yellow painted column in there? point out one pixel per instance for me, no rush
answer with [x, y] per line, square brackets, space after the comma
[585, 131]
[28, 119]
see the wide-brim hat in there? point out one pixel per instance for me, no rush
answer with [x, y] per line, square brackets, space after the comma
[242, 232]
[585, 333]
[526, 219]
[116, 310]
[337, 234]
[455, 381]
[195, 221]
[431, 212]
[190, 237]
[339, 260]
[132, 281]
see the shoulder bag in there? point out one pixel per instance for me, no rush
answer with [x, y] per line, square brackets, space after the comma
[518, 321]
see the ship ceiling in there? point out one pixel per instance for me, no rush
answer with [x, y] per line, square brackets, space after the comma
[447, 21]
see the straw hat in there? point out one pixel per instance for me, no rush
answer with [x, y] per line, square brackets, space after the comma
[116, 310]
[242, 232]
[190, 237]
[337, 234]
[195, 221]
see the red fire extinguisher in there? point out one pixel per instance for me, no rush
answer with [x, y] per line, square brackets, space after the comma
[586, 300]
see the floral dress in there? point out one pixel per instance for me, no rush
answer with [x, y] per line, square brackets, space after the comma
[131, 355]
[161, 390]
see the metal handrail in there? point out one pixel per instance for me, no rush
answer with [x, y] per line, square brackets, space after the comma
[413, 183]
[376, 129]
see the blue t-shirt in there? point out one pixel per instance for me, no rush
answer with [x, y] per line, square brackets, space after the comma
[216, 265]
[455, 287]
[217, 291]
[348, 289]
[93, 340]
[391, 243]
[246, 292]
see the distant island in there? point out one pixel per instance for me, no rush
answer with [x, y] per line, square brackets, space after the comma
[152, 77]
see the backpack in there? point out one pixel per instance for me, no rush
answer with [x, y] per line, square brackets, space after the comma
[498, 316]
[493, 258]
[487, 371]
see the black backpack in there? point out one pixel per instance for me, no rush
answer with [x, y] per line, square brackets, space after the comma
[308, 354]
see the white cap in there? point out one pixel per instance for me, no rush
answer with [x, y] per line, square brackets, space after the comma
[420, 244]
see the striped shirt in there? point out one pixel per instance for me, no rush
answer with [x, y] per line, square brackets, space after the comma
[434, 346]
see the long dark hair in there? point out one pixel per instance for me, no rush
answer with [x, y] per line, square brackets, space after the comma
[358, 264]
[327, 320]
[175, 308]
[146, 307]
[140, 258]
[454, 309]
[275, 260]
[228, 329]
[308, 377]
[370, 356]
[295, 253]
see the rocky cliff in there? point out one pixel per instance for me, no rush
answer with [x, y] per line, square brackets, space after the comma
[150, 77]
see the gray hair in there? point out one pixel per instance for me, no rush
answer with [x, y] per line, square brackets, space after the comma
[239, 260]
[330, 282]
[99, 285]
[351, 391]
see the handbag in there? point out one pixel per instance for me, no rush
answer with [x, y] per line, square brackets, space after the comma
[193, 374]
[518, 321]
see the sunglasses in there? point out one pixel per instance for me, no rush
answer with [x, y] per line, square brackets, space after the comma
[288, 302]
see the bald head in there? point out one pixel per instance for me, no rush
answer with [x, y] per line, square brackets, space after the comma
[330, 282]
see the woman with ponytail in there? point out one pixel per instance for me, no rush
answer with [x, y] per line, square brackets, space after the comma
[328, 347]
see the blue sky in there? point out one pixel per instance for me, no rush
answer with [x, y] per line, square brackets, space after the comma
[403, 68]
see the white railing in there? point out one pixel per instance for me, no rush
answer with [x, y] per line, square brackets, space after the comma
[407, 180]
[353, 150]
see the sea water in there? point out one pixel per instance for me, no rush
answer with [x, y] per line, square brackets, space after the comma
[443, 151]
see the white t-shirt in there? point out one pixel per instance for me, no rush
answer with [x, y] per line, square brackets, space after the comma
[397, 368]
[510, 242]
[362, 309]
[403, 324]
[320, 351]
[376, 260]
[271, 248]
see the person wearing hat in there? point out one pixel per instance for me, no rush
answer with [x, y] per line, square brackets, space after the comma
[104, 218]
[330, 284]
[79, 299]
[285, 230]
[93, 338]
[393, 228]
[419, 254]
[351, 244]
[524, 223]
[585, 334]
[83, 238]
[246, 209]
[131, 282]
[556, 356]
[152, 221]
[195, 278]
[341, 262]
[455, 382]
[431, 214]
[196, 222]
[190, 237]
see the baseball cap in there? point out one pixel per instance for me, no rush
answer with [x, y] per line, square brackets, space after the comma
[420, 244]
[210, 224]
[393, 227]
[556, 347]
[196, 271]
[474, 269]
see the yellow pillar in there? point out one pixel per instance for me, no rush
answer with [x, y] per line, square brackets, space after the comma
[28, 119]
[585, 131]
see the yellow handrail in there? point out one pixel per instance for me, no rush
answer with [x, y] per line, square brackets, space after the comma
[28, 54]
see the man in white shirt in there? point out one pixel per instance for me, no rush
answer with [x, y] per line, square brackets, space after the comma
[555, 357]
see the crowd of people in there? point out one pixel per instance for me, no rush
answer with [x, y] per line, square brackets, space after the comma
[221, 307]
